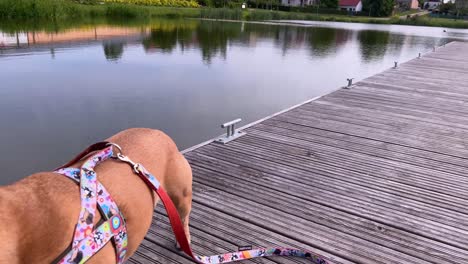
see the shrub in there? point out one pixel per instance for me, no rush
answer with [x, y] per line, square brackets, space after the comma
[221, 13]
[127, 11]
[67, 9]
[40, 9]
[175, 3]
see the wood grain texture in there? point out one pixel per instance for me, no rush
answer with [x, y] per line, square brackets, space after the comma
[373, 174]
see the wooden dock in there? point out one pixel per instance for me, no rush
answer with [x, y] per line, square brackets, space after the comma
[373, 174]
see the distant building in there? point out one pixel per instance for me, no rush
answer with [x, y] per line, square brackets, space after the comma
[461, 4]
[297, 2]
[432, 4]
[351, 5]
[408, 4]
[11, 40]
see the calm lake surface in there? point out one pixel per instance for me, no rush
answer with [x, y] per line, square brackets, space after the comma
[65, 88]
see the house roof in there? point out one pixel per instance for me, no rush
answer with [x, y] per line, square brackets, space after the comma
[349, 2]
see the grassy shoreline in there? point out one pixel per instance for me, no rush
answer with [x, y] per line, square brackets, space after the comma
[59, 10]
[63, 11]
[262, 15]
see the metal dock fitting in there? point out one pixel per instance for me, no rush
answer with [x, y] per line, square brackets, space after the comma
[231, 132]
[350, 83]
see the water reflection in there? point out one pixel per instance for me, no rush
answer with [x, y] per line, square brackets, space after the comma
[113, 50]
[210, 38]
[66, 86]
[373, 44]
[213, 39]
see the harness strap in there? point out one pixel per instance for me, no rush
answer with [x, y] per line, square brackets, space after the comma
[84, 153]
[96, 240]
[105, 202]
[108, 209]
[87, 241]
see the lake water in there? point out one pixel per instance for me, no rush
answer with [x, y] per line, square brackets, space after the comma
[62, 89]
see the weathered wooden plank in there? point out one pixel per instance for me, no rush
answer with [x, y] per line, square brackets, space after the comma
[412, 84]
[420, 79]
[442, 126]
[445, 56]
[414, 141]
[443, 107]
[214, 232]
[309, 149]
[299, 229]
[386, 122]
[413, 69]
[416, 81]
[149, 253]
[399, 109]
[293, 203]
[439, 102]
[203, 243]
[440, 68]
[343, 139]
[240, 233]
[369, 147]
[212, 238]
[303, 149]
[302, 175]
[370, 165]
[347, 199]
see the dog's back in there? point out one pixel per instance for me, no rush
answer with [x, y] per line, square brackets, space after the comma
[8, 227]
[38, 214]
[37, 211]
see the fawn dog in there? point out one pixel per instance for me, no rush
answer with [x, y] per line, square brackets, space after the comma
[38, 214]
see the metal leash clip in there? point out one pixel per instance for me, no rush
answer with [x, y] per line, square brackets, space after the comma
[123, 158]
[135, 166]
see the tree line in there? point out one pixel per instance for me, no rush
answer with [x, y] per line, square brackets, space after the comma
[376, 8]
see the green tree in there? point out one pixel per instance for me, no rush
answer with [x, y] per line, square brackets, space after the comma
[329, 3]
[447, 8]
[263, 4]
[208, 3]
[220, 3]
[378, 8]
[421, 3]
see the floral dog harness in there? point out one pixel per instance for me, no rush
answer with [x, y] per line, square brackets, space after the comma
[87, 241]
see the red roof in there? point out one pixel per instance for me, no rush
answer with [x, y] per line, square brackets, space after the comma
[349, 2]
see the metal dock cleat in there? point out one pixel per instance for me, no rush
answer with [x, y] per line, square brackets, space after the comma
[231, 132]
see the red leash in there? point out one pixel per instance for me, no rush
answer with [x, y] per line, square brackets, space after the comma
[174, 217]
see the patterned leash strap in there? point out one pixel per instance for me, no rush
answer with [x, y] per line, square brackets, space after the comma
[261, 252]
[176, 223]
